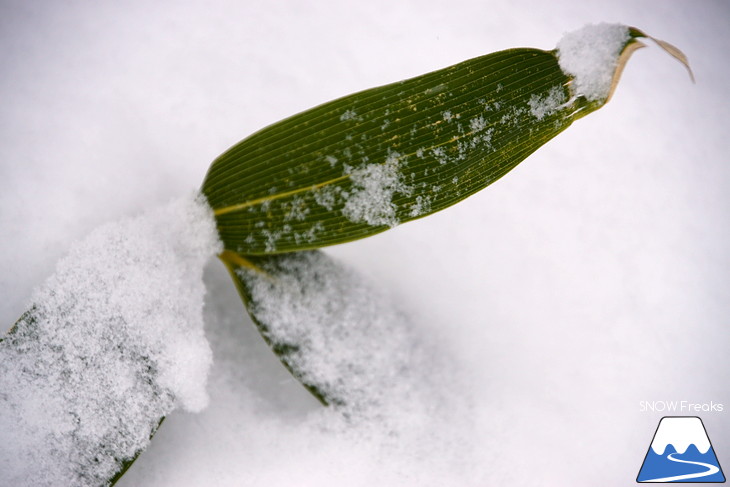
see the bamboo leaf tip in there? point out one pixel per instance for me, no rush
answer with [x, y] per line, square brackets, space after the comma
[591, 56]
[595, 55]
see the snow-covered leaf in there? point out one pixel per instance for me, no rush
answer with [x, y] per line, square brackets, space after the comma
[335, 331]
[113, 343]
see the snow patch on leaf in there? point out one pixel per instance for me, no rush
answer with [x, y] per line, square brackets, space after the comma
[541, 106]
[348, 115]
[590, 55]
[371, 198]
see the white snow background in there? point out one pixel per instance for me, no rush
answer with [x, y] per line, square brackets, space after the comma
[592, 277]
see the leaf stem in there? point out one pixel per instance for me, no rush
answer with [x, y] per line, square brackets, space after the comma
[230, 257]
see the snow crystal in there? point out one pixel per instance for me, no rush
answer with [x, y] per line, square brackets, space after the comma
[326, 196]
[271, 237]
[590, 55]
[374, 186]
[308, 235]
[440, 154]
[477, 124]
[540, 106]
[296, 209]
[512, 117]
[343, 334]
[113, 342]
[348, 115]
[422, 205]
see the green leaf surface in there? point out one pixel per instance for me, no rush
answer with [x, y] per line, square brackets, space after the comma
[364, 163]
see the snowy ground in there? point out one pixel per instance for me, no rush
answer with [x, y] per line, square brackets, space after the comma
[592, 277]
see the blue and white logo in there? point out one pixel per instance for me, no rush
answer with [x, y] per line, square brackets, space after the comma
[681, 452]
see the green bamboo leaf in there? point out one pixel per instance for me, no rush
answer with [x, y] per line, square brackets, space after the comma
[366, 162]
[361, 164]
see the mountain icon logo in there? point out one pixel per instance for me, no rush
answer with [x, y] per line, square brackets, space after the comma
[681, 452]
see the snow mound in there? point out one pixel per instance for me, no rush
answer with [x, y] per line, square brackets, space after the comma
[113, 342]
[590, 55]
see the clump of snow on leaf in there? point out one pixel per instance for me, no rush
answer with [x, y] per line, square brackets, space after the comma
[113, 342]
[374, 186]
[590, 55]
